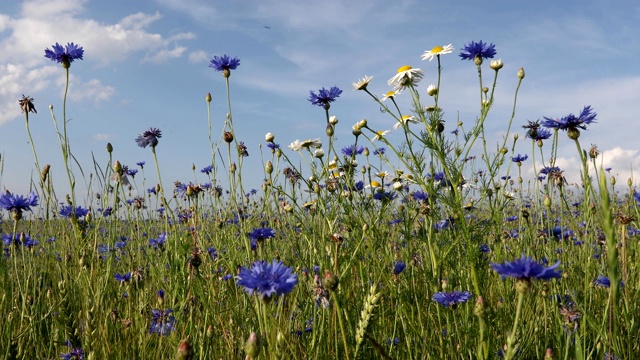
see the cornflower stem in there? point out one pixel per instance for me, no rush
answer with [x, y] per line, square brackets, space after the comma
[511, 339]
[35, 157]
[66, 152]
[586, 181]
[163, 198]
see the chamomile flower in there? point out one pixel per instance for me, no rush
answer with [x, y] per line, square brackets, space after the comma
[406, 76]
[362, 83]
[438, 50]
[405, 119]
[380, 134]
[298, 145]
[390, 95]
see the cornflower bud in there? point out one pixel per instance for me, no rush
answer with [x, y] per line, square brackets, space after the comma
[496, 64]
[208, 98]
[268, 167]
[521, 73]
[109, 148]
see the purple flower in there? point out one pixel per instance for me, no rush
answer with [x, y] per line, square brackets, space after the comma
[207, 169]
[64, 55]
[451, 299]
[67, 211]
[162, 322]
[224, 62]
[75, 354]
[260, 234]
[267, 279]
[18, 203]
[526, 268]
[478, 50]
[159, 242]
[379, 151]
[324, 96]
[572, 122]
[123, 277]
[519, 158]
[141, 164]
[352, 150]
[398, 267]
[384, 196]
[602, 281]
[420, 196]
[149, 138]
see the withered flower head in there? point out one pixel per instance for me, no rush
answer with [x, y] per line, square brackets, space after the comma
[26, 104]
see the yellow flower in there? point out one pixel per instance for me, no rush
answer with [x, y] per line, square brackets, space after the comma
[438, 50]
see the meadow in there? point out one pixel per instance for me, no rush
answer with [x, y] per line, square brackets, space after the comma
[436, 247]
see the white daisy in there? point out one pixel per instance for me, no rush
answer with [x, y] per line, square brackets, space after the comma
[406, 76]
[405, 119]
[390, 95]
[438, 50]
[380, 134]
[362, 83]
[298, 145]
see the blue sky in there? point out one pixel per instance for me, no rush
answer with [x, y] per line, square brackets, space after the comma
[146, 65]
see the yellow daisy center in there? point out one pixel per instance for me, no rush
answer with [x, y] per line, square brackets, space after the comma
[404, 68]
[390, 94]
[375, 184]
[405, 117]
[437, 49]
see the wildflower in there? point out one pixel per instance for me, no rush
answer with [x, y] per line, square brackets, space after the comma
[379, 151]
[242, 149]
[213, 253]
[602, 281]
[123, 277]
[496, 64]
[572, 123]
[405, 120]
[380, 135]
[67, 211]
[26, 104]
[390, 95]
[352, 150]
[405, 76]
[267, 279]
[451, 299]
[141, 164]
[437, 51]
[478, 50]
[16, 204]
[273, 146]
[149, 138]
[74, 354]
[207, 169]
[519, 159]
[432, 90]
[131, 172]
[298, 145]
[398, 267]
[225, 64]
[66, 55]
[324, 97]
[362, 83]
[162, 322]
[159, 242]
[526, 268]
[420, 196]
[260, 234]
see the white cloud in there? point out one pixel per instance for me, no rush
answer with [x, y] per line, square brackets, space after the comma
[198, 56]
[92, 90]
[165, 54]
[102, 137]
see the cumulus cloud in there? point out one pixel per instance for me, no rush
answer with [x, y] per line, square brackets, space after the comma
[198, 56]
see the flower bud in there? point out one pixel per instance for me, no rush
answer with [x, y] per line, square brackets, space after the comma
[329, 130]
[208, 98]
[356, 131]
[252, 346]
[319, 153]
[547, 201]
[573, 133]
[496, 64]
[333, 120]
[232, 169]
[269, 137]
[228, 136]
[397, 186]
[268, 167]
[613, 180]
[521, 73]
[185, 351]
[477, 60]
[629, 182]
[109, 148]
[45, 172]
[117, 167]
[432, 90]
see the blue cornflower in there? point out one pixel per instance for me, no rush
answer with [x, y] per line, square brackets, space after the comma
[64, 55]
[159, 242]
[74, 354]
[379, 151]
[511, 218]
[67, 211]
[398, 267]
[224, 63]
[384, 196]
[260, 234]
[162, 322]
[478, 50]
[352, 150]
[442, 225]
[549, 170]
[420, 196]
[207, 169]
[267, 279]
[539, 134]
[525, 268]
[324, 96]
[18, 203]
[636, 196]
[451, 299]
[122, 277]
[520, 158]
[273, 146]
[213, 253]
[132, 172]
[586, 117]
[152, 190]
[602, 281]
[19, 239]
[149, 138]
[141, 164]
